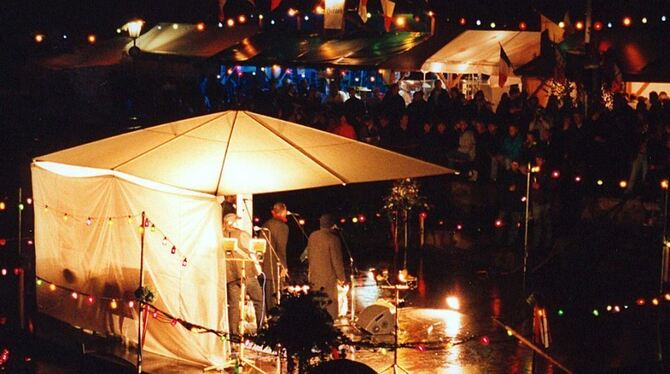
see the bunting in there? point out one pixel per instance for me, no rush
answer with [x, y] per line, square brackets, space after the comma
[504, 67]
[363, 10]
[388, 7]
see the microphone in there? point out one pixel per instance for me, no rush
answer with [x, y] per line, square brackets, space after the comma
[289, 213]
[258, 228]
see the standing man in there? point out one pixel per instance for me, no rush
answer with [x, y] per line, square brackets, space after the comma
[326, 269]
[275, 232]
[229, 204]
[234, 275]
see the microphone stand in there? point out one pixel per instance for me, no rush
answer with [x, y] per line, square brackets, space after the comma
[299, 226]
[353, 271]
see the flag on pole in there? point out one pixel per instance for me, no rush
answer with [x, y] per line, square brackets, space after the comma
[222, 16]
[274, 4]
[554, 32]
[504, 67]
[363, 10]
[388, 7]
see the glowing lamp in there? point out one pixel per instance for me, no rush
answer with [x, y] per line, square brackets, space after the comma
[509, 333]
[440, 222]
[292, 12]
[175, 26]
[640, 302]
[3, 242]
[478, 22]
[493, 25]
[535, 169]
[617, 309]
[609, 25]
[420, 348]
[609, 308]
[431, 13]
[499, 223]
[595, 312]
[52, 287]
[400, 21]
[598, 26]
[74, 295]
[319, 9]
[459, 227]
[135, 28]
[260, 17]
[242, 19]
[372, 79]
[664, 18]
[599, 182]
[29, 242]
[627, 21]
[38, 282]
[561, 24]
[623, 184]
[655, 301]
[578, 179]
[453, 303]
[113, 304]
[29, 201]
[555, 174]
[560, 312]
[154, 314]
[91, 39]
[523, 26]
[90, 300]
[485, 340]
[664, 184]
[369, 14]
[354, 220]
[579, 25]
[462, 21]
[173, 322]
[423, 215]
[644, 20]
[3, 205]
[667, 296]
[523, 199]
[131, 304]
[3, 272]
[306, 18]
[230, 22]
[301, 222]
[343, 221]
[39, 38]
[200, 26]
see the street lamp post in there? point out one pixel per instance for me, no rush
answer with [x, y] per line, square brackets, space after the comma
[134, 31]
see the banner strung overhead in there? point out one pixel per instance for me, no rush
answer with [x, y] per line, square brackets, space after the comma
[333, 17]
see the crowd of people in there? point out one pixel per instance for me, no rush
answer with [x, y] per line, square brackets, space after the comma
[617, 141]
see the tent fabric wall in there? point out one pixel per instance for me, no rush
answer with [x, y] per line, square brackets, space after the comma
[103, 259]
[478, 51]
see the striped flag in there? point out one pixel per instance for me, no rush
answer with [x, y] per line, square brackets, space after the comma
[274, 4]
[388, 7]
[504, 67]
[363, 10]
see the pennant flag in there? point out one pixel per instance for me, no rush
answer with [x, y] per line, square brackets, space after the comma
[333, 17]
[388, 7]
[568, 28]
[274, 4]
[504, 67]
[222, 16]
[363, 10]
[554, 32]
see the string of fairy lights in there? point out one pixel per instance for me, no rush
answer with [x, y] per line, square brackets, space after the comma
[401, 22]
[356, 219]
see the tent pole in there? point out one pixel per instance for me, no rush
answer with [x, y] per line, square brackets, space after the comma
[140, 306]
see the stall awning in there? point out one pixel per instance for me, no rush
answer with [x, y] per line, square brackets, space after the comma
[179, 40]
[478, 51]
[397, 50]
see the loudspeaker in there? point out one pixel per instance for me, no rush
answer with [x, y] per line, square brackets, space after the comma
[377, 318]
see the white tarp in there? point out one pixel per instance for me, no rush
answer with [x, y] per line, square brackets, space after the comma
[478, 51]
[102, 258]
[237, 152]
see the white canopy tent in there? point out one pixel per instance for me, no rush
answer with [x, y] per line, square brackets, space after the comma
[478, 51]
[89, 199]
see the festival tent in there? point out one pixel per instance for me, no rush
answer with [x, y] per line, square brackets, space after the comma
[478, 51]
[356, 50]
[89, 201]
[165, 40]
